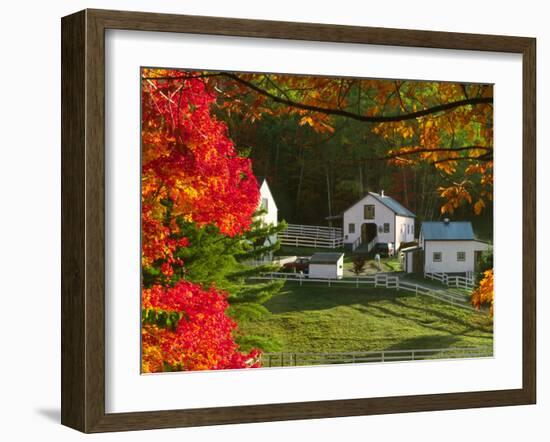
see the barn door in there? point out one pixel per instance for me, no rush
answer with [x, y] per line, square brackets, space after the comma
[368, 232]
[418, 261]
[477, 260]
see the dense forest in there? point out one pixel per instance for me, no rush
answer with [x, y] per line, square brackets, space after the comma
[316, 171]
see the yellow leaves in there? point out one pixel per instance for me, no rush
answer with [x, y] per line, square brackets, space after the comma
[306, 120]
[478, 206]
[318, 122]
[455, 195]
[484, 294]
[447, 166]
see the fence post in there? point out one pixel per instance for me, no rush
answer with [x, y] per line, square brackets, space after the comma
[357, 282]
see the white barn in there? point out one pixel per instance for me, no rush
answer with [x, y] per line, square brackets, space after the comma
[270, 217]
[377, 218]
[326, 266]
[446, 247]
[267, 202]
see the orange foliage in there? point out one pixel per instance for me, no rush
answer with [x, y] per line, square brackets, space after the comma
[484, 293]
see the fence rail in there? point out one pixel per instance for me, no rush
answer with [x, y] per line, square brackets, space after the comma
[300, 235]
[377, 280]
[353, 357]
[458, 281]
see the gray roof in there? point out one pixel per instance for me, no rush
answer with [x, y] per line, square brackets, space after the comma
[389, 202]
[452, 230]
[393, 205]
[325, 258]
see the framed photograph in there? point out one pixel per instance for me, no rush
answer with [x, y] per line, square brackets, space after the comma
[267, 221]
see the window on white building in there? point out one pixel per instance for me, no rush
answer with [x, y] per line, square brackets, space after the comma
[351, 228]
[368, 211]
[264, 205]
[437, 256]
[461, 256]
[386, 227]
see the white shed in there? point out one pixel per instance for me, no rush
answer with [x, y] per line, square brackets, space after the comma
[327, 266]
[449, 247]
[377, 218]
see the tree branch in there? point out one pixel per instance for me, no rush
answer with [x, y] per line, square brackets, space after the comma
[484, 157]
[358, 117]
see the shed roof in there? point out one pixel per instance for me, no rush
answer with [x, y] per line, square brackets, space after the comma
[389, 202]
[451, 231]
[326, 258]
[411, 249]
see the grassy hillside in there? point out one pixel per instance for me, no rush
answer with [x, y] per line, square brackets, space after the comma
[317, 318]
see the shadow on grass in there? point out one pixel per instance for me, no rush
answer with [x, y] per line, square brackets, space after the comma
[294, 298]
[313, 297]
[425, 342]
[440, 324]
[446, 317]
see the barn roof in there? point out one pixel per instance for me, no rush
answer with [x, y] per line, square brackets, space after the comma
[389, 202]
[450, 231]
[260, 179]
[325, 258]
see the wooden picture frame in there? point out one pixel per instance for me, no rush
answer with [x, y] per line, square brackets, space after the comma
[83, 220]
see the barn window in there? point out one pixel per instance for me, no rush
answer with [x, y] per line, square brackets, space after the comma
[351, 228]
[461, 256]
[264, 205]
[386, 227]
[437, 256]
[368, 211]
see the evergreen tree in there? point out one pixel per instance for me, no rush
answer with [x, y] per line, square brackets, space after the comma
[229, 264]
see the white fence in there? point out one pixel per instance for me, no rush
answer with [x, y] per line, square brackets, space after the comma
[377, 280]
[355, 357]
[464, 282]
[299, 235]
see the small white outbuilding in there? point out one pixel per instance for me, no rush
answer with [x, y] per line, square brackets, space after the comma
[445, 247]
[327, 266]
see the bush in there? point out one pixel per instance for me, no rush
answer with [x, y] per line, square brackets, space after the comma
[359, 262]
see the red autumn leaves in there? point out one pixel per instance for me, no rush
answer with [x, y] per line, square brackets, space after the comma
[191, 171]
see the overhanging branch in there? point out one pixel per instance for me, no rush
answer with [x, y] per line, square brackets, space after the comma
[359, 117]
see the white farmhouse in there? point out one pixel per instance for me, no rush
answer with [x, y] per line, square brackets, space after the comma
[377, 218]
[326, 266]
[445, 247]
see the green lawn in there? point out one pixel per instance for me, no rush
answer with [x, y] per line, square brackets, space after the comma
[386, 265]
[317, 318]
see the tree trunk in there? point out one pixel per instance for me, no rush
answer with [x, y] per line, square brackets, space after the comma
[328, 197]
